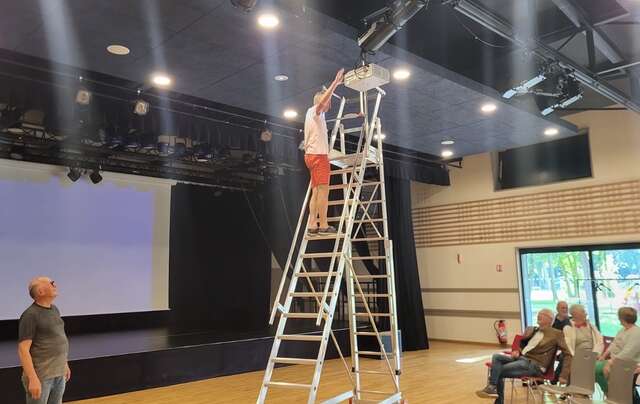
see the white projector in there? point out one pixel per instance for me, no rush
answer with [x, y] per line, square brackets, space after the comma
[366, 77]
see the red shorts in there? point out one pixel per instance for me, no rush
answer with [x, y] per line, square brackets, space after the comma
[318, 165]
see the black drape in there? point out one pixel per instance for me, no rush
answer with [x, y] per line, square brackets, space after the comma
[219, 271]
[408, 294]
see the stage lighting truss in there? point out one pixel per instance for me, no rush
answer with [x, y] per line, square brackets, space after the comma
[560, 88]
[384, 23]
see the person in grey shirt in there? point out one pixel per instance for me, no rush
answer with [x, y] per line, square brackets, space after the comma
[43, 346]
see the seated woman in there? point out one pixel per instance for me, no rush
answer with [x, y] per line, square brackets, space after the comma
[580, 334]
[626, 345]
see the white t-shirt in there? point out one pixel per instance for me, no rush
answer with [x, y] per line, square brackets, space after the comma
[316, 139]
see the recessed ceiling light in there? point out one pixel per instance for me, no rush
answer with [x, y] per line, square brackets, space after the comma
[161, 79]
[380, 136]
[401, 74]
[488, 107]
[447, 142]
[290, 113]
[446, 153]
[551, 131]
[281, 77]
[268, 21]
[118, 49]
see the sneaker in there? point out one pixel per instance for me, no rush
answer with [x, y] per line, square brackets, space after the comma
[327, 231]
[488, 392]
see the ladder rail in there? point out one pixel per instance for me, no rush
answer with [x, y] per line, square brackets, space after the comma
[276, 302]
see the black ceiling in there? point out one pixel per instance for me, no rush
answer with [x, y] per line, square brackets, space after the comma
[217, 53]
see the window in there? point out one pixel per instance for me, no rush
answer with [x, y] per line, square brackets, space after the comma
[602, 278]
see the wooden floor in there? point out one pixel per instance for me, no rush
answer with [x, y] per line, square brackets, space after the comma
[430, 376]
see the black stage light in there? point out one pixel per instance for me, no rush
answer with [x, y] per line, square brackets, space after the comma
[95, 176]
[74, 173]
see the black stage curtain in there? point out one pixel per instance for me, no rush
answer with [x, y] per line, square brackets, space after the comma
[220, 264]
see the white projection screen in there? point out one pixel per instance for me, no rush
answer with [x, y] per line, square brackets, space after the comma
[105, 245]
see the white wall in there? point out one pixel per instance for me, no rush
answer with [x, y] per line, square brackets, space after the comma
[615, 151]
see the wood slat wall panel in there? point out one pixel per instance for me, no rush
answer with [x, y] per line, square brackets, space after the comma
[591, 211]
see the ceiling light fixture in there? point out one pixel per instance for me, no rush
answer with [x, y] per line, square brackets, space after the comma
[268, 21]
[401, 74]
[161, 80]
[119, 50]
[488, 108]
[447, 142]
[551, 131]
[290, 113]
[380, 136]
[446, 153]
[281, 77]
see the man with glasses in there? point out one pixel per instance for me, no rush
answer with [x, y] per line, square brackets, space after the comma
[43, 346]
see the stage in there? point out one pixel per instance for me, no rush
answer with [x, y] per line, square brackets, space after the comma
[110, 363]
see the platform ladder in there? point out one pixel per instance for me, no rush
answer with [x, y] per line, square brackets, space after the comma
[358, 169]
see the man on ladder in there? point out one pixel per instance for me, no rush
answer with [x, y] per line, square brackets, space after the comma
[316, 158]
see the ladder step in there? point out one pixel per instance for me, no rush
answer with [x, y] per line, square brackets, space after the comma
[321, 255]
[372, 276]
[295, 361]
[315, 274]
[350, 169]
[300, 315]
[372, 314]
[289, 385]
[376, 353]
[354, 184]
[337, 219]
[372, 257]
[371, 333]
[312, 237]
[350, 201]
[372, 295]
[373, 372]
[368, 239]
[352, 130]
[308, 294]
[296, 337]
[383, 393]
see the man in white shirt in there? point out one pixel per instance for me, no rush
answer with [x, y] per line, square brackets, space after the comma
[316, 158]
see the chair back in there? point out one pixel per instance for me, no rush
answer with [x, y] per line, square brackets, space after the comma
[621, 382]
[515, 345]
[583, 369]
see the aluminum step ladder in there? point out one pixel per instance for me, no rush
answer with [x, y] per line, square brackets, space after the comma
[362, 219]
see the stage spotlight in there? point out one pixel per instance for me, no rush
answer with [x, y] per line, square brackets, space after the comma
[268, 21]
[290, 113]
[74, 173]
[244, 5]
[95, 176]
[83, 96]
[141, 107]
[266, 135]
[388, 21]
[161, 80]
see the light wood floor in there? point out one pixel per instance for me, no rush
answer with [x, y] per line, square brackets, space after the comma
[430, 376]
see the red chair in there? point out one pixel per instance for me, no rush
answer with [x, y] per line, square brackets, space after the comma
[515, 346]
[531, 381]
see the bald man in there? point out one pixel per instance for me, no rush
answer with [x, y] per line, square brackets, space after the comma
[43, 346]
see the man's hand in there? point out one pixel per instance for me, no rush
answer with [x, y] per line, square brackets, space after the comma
[515, 354]
[35, 388]
[67, 373]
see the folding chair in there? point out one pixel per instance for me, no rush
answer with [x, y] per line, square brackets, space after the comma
[515, 346]
[620, 385]
[583, 376]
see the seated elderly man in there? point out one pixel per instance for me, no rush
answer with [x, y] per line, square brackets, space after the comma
[626, 345]
[542, 344]
[580, 334]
